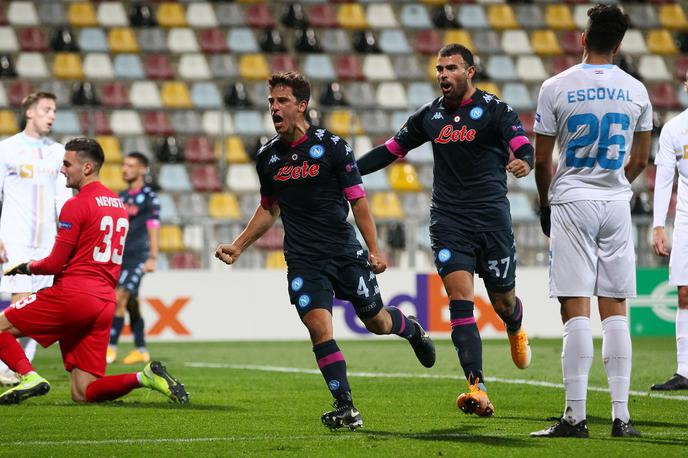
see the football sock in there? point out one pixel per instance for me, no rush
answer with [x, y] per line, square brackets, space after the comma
[616, 354]
[116, 330]
[682, 341]
[513, 321]
[576, 359]
[139, 336]
[29, 346]
[11, 353]
[401, 326]
[333, 367]
[466, 338]
[111, 387]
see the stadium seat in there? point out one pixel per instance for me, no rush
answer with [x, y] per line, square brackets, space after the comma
[186, 122]
[360, 94]
[144, 94]
[224, 206]
[4, 102]
[248, 122]
[95, 122]
[174, 178]
[193, 67]
[419, 93]
[386, 206]
[489, 87]
[112, 14]
[376, 181]
[501, 17]
[205, 95]
[381, 16]
[415, 16]
[171, 14]
[17, 90]
[501, 68]
[570, 42]
[351, 16]
[175, 94]
[110, 145]
[375, 122]
[254, 67]
[459, 36]
[391, 95]
[158, 67]
[273, 239]
[152, 40]
[123, 40]
[558, 17]
[193, 206]
[126, 122]
[97, 66]
[531, 69]
[521, 207]
[128, 66]
[181, 40]
[344, 123]
[293, 15]
[171, 238]
[348, 67]
[322, 16]
[318, 67]
[403, 177]
[428, 41]
[82, 14]
[406, 67]
[563, 62]
[530, 16]
[643, 16]
[200, 14]
[336, 41]
[660, 41]
[517, 96]
[236, 95]
[283, 63]
[544, 43]
[653, 68]
[193, 235]
[32, 65]
[52, 13]
[114, 95]
[444, 17]
[393, 41]
[473, 17]
[672, 16]
[212, 123]
[30, 39]
[681, 67]
[663, 96]
[169, 150]
[307, 41]
[92, 39]
[527, 119]
[8, 40]
[111, 176]
[271, 41]
[230, 14]
[223, 66]
[185, 260]
[486, 42]
[378, 67]
[66, 123]
[242, 40]
[212, 41]
[633, 42]
[580, 15]
[260, 16]
[141, 15]
[67, 66]
[242, 178]
[157, 123]
[205, 178]
[8, 123]
[516, 42]
[198, 149]
[421, 155]
[63, 41]
[274, 260]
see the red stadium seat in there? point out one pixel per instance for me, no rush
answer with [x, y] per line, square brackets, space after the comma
[428, 42]
[157, 123]
[17, 91]
[273, 239]
[283, 63]
[527, 119]
[205, 178]
[3, 14]
[114, 95]
[650, 176]
[563, 62]
[158, 66]
[212, 41]
[199, 149]
[33, 39]
[96, 120]
[663, 96]
[348, 67]
[570, 42]
[681, 67]
[260, 16]
[185, 260]
[322, 15]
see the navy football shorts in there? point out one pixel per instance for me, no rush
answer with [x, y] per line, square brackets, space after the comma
[492, 255]
[314, 283]
[131, 274]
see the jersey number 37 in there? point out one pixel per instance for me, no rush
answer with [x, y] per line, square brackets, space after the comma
[598, 132]
[114, 235]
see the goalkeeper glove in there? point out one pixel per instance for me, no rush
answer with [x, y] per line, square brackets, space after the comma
[545, 220]
[19, 269]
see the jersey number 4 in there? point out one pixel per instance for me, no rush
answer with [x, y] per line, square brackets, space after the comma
[112, 232]
[598, 131]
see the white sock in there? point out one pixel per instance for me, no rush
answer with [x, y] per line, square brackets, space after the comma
[682, 341]
[617, 353]
[29, 346]
[576, 359]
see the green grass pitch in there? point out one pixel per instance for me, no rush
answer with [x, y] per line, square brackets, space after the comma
[266, 398]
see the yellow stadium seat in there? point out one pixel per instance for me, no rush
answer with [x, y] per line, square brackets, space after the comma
[502, 17]
[432, 68]
[175, 94]
[352, 16]
[171, 15]
[344, 123]
[234, 150]
[123, 39]
[67, 66]
[111, 148]
[8, 123]
[111, 176]
[660, 42]
[254, 67]
[459, 36]
[386, 205]
[403, 177]
[559, 17]
[672, 16]
[487, 86]
[171, 238]
[545, 43]
[275, 260]
[224, 205]
[82, 14]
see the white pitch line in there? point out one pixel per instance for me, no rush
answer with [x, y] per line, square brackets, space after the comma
[296, 370]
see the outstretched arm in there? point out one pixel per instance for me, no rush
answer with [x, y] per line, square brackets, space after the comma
[262, 219]
[376, 159]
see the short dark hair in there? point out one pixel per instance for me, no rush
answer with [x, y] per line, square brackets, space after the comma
[455, 48]
[88, 150]
[139, 157]
[607, 25]
[33, 98]
[299, 85]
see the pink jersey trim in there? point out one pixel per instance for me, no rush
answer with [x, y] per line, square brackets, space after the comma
[267, 202]
[354, 192]
[466, 102]
[330, 359]
[517, 142]
[395, 148]
[297, 142]
[153, 223]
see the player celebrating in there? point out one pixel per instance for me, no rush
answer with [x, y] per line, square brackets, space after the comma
[671, 155]
[470, 222]
[33, 192]
[309, 177]
[140, 254]
[597, 113]
[77, 310]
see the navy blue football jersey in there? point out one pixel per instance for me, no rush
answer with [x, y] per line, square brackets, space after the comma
[312, 181]
[143, 207]
[471, 150]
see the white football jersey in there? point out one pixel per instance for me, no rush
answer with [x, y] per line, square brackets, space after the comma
[593, 110]
[33, 190]
[673, 152]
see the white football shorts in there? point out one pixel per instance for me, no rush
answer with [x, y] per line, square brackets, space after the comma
[678, 261]
[591, 250]
[24, 283]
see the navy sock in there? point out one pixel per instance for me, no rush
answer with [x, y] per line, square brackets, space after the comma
[466, 339]
[333, 367]
[116, 329]
[513, 321]
[401, 325]
[139, 334]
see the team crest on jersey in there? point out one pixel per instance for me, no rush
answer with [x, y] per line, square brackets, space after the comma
[476, 113]
[457, 118]
[437, 115]
[316, 151]
[273, 159]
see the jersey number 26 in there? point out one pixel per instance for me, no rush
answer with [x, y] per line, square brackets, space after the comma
[598, 131]
[112, 232]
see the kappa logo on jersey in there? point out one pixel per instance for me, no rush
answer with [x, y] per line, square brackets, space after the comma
[449, 134]
[273, 159]
[476, 113]
[488, 97]
[437, 115]
[335, 139]
[320, 133]
[291, 172]
[316, 151]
